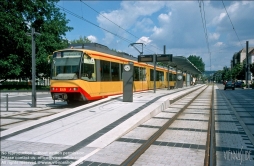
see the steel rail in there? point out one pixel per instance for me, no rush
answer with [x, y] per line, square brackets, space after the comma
[135, 155]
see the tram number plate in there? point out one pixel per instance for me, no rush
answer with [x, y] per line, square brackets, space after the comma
[62, 89]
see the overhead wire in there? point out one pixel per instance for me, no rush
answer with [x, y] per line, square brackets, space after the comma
[82, 18]
[144, 42]
[118, 25]
[207, 35]
[201, 3]
[231, 23]
[108, 19]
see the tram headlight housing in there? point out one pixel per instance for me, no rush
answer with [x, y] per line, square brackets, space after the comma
[65, 97]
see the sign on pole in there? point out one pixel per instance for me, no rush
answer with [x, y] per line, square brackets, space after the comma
[145, 58]
[164, 57]
[159, 58]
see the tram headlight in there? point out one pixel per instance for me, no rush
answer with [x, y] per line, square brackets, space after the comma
[52, 88]
[65, 96]
[75, 89]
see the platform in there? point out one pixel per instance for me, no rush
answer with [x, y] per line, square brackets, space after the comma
[83, 130]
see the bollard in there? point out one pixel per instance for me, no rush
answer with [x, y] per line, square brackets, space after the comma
[6, 102]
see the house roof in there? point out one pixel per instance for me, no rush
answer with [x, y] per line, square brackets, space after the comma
[249, 50]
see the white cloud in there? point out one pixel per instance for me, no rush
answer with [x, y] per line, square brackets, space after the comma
[144, 40]
[127, 17]
[146, 24]
[219, 44]
[178, 25]
[219, 18]
[214, 36]
[164, 18]
[157, 31]
[92, 38]
[234, 7]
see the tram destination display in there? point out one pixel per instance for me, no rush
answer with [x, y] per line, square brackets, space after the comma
[159, 58]
[164, 57]
[145, 58]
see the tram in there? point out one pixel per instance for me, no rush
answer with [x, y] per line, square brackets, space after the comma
[92, 71]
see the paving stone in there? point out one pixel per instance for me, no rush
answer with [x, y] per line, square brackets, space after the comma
[179, 136]
[165, 115]
[194, 116]
[190, 124]
[230, 141]
[155, 122]
[116, 150]
[141, 133]
[226, 126]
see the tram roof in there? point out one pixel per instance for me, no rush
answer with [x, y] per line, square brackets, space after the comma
[179, 62]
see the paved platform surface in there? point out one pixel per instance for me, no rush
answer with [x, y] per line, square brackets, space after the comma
[68, 133]
[20, 110]
[88, 133]
[22, 101]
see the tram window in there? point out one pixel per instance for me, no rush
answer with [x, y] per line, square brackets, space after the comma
[136, 73]
[151, 74]
[170, 77]
[143, 74]
[115, 71]
[173, 77]
[105, 70]
[159, 76]
[121, 72]
[88, 72]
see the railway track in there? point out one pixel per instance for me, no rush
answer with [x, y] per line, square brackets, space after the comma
[197, 110]
[182, 134]
[181, 131]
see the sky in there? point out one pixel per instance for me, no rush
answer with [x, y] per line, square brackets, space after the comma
[203, 28]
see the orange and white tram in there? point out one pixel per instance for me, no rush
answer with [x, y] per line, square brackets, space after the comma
[92, 71]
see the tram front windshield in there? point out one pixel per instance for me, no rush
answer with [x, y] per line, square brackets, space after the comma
[66, 65]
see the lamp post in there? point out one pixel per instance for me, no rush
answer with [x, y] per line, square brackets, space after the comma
[33, 33]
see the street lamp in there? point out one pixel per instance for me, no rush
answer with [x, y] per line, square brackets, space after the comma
[33, 33]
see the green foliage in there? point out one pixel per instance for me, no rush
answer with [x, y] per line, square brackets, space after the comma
[252, 69]
[197, 61]
[236, 70]
[16, 19]
[218, 76]
[226, 74]
[81, 40]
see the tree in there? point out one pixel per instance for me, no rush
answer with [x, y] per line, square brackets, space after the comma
[236, 70]
[16, 20]
[197, 61]
[218, 76]
[252, 69]
[81, 40]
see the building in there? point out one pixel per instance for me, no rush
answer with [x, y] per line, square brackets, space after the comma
[240, 57]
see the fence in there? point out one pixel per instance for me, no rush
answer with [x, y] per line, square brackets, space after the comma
[24, 83]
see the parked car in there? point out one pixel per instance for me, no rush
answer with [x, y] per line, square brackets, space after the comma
[229, 85]
[238, 84]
